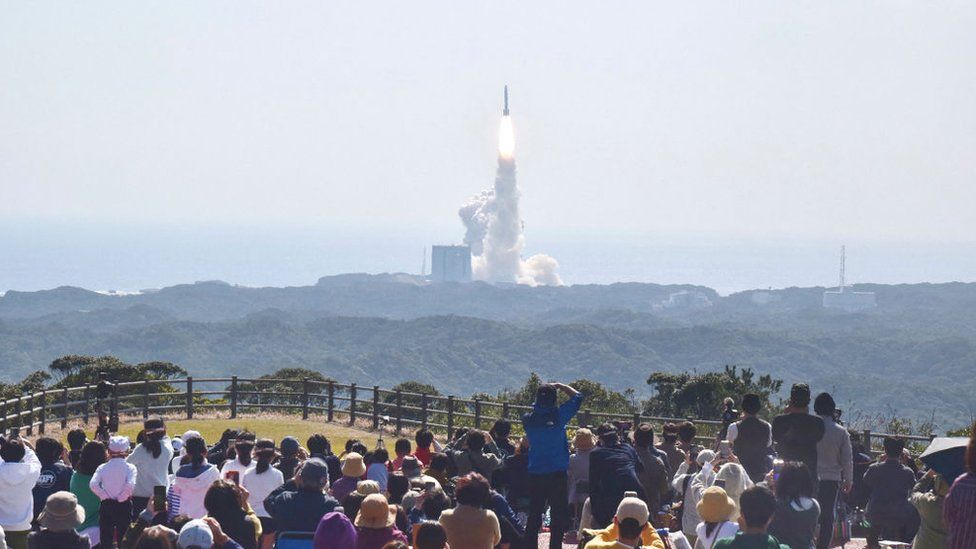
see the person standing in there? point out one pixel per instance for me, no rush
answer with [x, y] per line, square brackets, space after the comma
[92, 455]
[19, 471]
[669, 434]
[614, 470]
[960, 504]
[797, 432]
[113, 483]
[545, 428]
[835, 466]
[890, 484]
[152, 459]
[55, 474]
[797, 512]
[654, 475]
[751, 438]
[928, 497]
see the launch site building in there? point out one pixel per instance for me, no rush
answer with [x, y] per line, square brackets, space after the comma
[450, 264]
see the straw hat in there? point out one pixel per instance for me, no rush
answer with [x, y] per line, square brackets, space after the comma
[584, 439]
[353, 465]
[367, 487]
[375, 512]
[715, 505]
[61, 512]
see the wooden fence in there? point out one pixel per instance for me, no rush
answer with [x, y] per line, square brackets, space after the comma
[321, 400]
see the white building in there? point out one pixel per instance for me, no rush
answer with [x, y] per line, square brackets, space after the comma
[450, 264]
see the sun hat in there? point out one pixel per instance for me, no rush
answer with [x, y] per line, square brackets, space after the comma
[118, 444]
[633, 508]
[715, 505]
[367, 487]
[177, 444]
[411, 467]
[194, 534]
[375, 512]
[584, 439]
[61, 512]
[353, 465]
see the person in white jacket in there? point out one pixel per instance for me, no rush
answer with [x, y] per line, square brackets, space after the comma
[19, 470]
[191, 482]
[151, 459]
[689, 499]
[260, 481]
[113, 483]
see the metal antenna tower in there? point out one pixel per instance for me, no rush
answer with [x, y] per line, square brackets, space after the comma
[423, 266]
[843, 260]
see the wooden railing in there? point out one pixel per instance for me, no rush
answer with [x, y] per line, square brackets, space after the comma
[327, 400]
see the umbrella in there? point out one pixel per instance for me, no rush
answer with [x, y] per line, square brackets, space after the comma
[947, 456]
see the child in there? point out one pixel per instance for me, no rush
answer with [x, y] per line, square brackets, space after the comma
[379, 469]
[113, 483]
[402, 449]
[757, 507]
[55, 475]
[77, 439]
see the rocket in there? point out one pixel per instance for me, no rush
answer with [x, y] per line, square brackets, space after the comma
[505, 111]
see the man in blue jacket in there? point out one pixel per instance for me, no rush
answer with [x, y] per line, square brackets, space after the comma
[545, 427]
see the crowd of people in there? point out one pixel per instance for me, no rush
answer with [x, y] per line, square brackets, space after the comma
[758, 484]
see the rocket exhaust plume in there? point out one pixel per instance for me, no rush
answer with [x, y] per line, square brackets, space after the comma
[494, 226]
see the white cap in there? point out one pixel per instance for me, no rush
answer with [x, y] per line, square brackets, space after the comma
[633, 508]
[118, 444]
[196, 533]
[190, 434]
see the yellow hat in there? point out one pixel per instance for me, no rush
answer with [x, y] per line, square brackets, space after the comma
[375, 512]
[715, 505]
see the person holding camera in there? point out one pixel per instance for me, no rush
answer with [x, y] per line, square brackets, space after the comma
[614, 470]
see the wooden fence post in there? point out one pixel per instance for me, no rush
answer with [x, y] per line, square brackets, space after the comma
[305, 398]
[505, 410]
[30, 414]
[585, 418]
[637, 420]
[399, 411]
[352, 404]
[64, 408]
[331, 404]
[376, 407]
[43, 415]
[233, 397]
[3, 416]
[867, 439]
[477, 413]
[85, 412]
[450, 416]
[145, 399]
[189, 397]
[423, 411]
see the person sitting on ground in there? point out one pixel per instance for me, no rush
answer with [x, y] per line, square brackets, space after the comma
[205, 534]
[411, 508]
[835, 466]
[669, 445]
[501, 432]
[320, 447]
[402, 449]
[715, 509]
[425, 441]
[470, 525]
[58, 519]
[226, 502]
[411, 469]
[113, 483]
[758, 505]
[890, 484]
[375, 523]
[578, 473]
[430, 535]
[378, 467]
[630, 528]
[960, 503]
[797, 432]
[928, 497]
[289, 458]
[335, 531]
[687, 431]
[55, 475]
[511, 526]
[479, 454]
[614, 469]
[298, 504]
[797, 513]
[434, 503]
[191, 481]
[353, 469]
[151, 459]
[731, 476]
[751, 438]
[545, 428]
[654, 476]
[437, 468]
[76, 442]
[243, 447]
[260, 481]
[92, 455]
[686, 509]
[19, 471]
[396, 488]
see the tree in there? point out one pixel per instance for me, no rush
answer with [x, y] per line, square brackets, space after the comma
[287, 380]
[701, 395]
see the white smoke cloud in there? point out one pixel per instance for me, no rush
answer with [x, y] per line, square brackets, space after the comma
[493, 230]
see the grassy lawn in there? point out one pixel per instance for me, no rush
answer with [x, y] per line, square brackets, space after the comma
[273, 426]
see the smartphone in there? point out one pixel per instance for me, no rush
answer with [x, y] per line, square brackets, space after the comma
[777, 467]
[429, 486]
[725, 448]
[159, 498]
[720, 483]
[234, 476]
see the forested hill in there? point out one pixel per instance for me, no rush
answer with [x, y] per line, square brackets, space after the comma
[914, 354]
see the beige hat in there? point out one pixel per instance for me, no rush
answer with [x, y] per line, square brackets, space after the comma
[375, 512]
[584, 439]
[61, 512]
[367, 487]
[633, 508]
[353, 466]
[715, 505]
